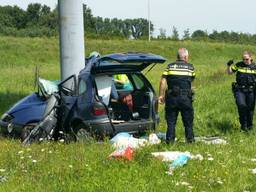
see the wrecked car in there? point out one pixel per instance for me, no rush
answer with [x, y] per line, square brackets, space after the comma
[96, 102]
[23, 116]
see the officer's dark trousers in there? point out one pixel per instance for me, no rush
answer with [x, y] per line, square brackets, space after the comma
[245, 101]
[174, 105]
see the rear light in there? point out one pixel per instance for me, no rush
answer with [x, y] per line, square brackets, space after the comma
[99, 109]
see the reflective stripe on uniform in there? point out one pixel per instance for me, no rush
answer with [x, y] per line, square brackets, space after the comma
[243, 69]
[184, 72]
[234, 67]
[246, 70]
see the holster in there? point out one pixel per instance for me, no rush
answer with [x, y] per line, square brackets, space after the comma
[234, 87]
[176, 91]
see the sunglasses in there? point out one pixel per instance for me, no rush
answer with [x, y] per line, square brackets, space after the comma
[246, 59]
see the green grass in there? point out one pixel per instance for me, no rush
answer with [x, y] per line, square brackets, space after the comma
[86, 167]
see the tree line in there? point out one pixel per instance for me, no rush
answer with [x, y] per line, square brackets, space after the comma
[39, 20]
[215, 36]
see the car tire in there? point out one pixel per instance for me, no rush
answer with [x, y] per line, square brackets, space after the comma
[26, 131]
[82, 134]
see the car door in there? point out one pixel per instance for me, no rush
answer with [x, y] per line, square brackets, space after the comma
[68, 98]
[142, 82]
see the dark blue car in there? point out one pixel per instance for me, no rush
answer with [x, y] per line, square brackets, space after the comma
[29, 111]
[110, 95]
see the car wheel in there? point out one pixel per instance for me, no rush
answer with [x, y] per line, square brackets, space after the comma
[82, 134]
[26, 131]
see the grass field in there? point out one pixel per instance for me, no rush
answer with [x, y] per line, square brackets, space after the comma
[85, 167]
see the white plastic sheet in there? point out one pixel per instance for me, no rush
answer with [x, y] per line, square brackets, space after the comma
[124, 140]
[170, 155]
[153, 139]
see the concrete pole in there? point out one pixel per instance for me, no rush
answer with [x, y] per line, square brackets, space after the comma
[72, 51]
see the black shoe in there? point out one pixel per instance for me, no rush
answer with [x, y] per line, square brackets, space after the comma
[244, 129]
[250, 128]
[190, 140]
[169, 141]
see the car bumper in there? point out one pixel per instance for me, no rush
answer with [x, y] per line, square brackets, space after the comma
[136, 126]
[102, 126]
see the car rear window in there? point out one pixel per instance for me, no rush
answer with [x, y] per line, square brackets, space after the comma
[82, 87]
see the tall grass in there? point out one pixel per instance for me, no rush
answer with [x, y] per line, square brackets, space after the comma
[85, 167]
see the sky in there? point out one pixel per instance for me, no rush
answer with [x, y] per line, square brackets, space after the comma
[207, 15]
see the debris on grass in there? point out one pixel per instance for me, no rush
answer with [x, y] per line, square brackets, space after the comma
[197, 157]
[153, 139]
[184, 183]
[3, 179]
[124, 140]
[169, 155]
[161, 135]
[177, 158]
[123, 153]
[212, 140]
[180, 161]
[253, 171]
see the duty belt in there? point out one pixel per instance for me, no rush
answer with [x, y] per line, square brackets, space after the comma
[245, 88]
[179, 92]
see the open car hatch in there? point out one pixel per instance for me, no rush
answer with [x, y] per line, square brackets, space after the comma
[131, 61]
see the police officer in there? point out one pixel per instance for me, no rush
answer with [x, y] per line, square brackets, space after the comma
[178, 97]
[244, 88]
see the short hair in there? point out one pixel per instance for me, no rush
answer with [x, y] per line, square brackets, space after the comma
[182, 53]
[247, 53]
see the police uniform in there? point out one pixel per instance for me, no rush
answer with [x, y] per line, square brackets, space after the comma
[178, 98]
[244, 92]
